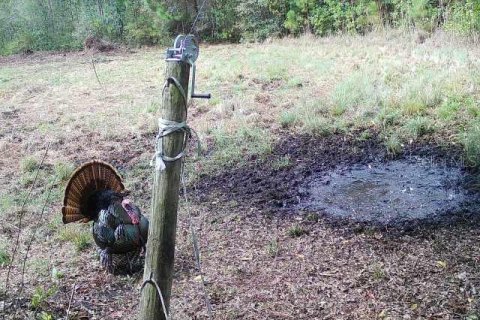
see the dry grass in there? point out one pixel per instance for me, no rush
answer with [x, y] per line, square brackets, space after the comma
[383, 81]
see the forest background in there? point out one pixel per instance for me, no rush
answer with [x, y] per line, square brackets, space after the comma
[35, 25]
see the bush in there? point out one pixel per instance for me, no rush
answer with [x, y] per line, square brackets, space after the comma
[256, 21]
[63, 25]
[464, 17]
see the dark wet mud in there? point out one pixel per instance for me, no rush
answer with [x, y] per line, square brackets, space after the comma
[344, 180]
[390, 192]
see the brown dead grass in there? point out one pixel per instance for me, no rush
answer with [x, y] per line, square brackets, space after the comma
[326, 274]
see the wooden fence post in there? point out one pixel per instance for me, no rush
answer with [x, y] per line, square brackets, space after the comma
[159, 258]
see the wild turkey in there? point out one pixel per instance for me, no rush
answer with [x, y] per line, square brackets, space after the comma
[95, 192]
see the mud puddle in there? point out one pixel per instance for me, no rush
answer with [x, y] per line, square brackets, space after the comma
[392, 192]
[346, 181]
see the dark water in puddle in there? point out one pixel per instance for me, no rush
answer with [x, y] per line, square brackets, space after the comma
[391, 192]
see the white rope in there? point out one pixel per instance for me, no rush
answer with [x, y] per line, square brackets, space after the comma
[166, 127]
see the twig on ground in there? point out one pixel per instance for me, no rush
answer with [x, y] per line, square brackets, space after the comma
[95, 71]
[70, 300]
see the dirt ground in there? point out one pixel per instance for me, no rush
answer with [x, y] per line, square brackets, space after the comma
[262, 257]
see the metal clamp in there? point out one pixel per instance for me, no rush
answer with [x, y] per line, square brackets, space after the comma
[186, 49]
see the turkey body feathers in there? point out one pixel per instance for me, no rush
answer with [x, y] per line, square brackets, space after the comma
[115, 231]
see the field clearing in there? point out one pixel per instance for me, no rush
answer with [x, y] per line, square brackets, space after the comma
[279, 109]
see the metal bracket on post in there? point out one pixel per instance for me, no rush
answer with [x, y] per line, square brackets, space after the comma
[185, 48]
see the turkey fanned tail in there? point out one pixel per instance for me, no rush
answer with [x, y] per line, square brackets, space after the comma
[95, 192]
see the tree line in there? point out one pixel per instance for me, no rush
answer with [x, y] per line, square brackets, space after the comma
[30, 25]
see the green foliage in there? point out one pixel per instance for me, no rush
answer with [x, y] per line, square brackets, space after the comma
[144, 26]
[63, 171]
[230, 148]
[296, 231]
[419, 126]
[288, 119]
[41, 295]
[394, 145]
[273, 248]
[29, 164]
[357, 90]
[256, 21]
[224, 21]
[4, 257]
[46, 316]
[79, 236]
[312, 217]
[64, 25]
[298, 15]
[282, 162]
[378, 273]
[423, 14]
[464, 17]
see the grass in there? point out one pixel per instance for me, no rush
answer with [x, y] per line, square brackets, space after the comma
[273, 248]
[29, 164]
[282, 162]
[235, 147]
[80, 236]
[63, 171]
[312, 217]
[4, 257]
[393, 144]
[41, 295]
[378, 273]
[418, 127]
[296, 231]
[472, 146]
[7, 202]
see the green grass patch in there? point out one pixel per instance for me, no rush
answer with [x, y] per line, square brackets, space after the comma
[418, 127]
[378, 273]
[282, 162]
[414, 108]
[63, 171]
[393, 144]
[41, 295]
[7, 202]
[29, 164]
[471, 142]
[358, 90]
[4, 257]
[273, 248]
[288, 119]
[232, 148]
[296, 231]
[80, 236]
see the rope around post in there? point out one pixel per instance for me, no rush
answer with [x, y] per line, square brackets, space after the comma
[155, 284]
[165, 128]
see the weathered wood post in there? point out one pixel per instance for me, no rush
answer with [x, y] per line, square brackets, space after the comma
[159, 258]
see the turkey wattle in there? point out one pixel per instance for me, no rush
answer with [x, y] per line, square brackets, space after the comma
[95, 192]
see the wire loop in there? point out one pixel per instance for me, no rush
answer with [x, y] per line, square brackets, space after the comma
[155, 284]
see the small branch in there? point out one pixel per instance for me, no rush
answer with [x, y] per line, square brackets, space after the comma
[70, 300]
[95, 71]
[33, 236]
[20, 219]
